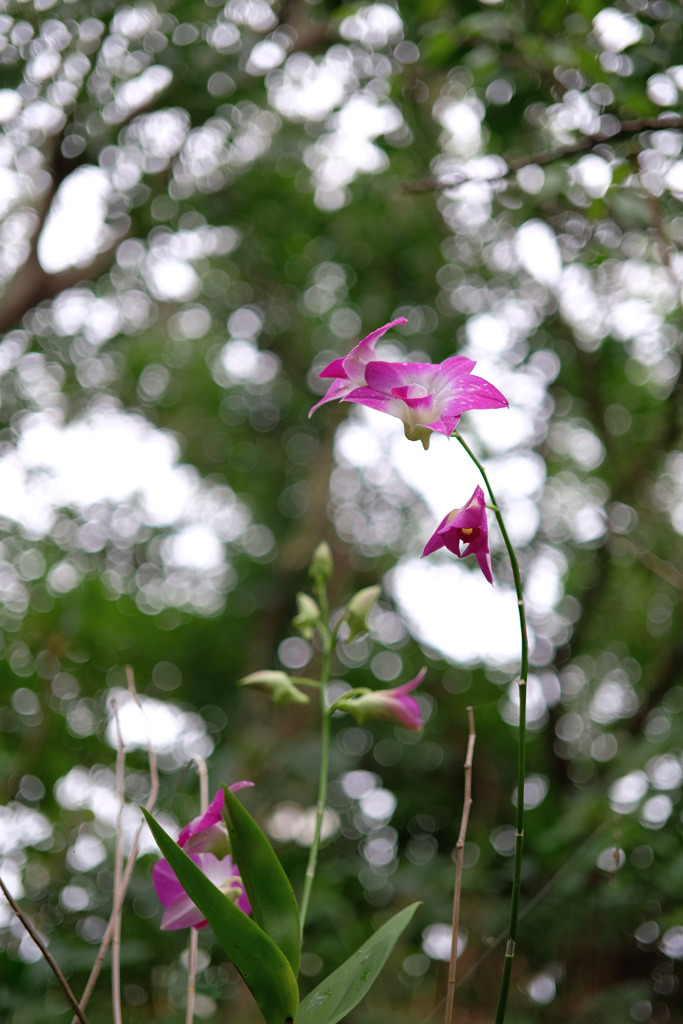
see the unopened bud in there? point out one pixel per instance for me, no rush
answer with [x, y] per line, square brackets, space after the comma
[358, 609]
[308, 616]
[322, 563]
[281, 688]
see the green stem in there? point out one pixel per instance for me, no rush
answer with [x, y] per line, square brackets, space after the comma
[521, 748]
[328, 640]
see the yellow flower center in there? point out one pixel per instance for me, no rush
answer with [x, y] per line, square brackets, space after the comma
[232, 888]
[466, 531]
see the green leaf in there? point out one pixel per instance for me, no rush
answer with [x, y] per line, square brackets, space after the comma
[273, 903]
[263, 966]
[337, 995]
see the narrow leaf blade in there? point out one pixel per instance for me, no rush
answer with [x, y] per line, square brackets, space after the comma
[273, 903]
[337, 995]
[262, 965]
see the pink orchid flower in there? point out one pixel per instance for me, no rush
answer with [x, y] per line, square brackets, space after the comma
[395, 705]
[204, 839]
[426, 396]
[349, 372]
[469, 526]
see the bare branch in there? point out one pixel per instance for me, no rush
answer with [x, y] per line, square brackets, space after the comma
[118, 872]
[52, 963]
[626, 130]
[459, 856]
[130, 863]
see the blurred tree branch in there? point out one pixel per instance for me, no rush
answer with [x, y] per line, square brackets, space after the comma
[588, 143]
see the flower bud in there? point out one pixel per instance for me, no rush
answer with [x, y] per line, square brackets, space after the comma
[281, 688]
[395, 705]
[358, 609]
[322, 563]
[308, 616]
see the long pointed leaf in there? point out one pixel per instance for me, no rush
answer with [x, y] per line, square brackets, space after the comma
[273, 903]
[262, 965]
[344, 988]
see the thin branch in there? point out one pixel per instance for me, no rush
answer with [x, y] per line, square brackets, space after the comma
[32, 284]
[665, 570]
[130, 863]
[626, 130]
[194, 934]
[521, 743]
[50, 960]
[540, 895]
[203, 783]
[459, 857]
[118, 871]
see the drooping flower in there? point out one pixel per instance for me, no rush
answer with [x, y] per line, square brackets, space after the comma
[469, 526]
[348, 372]
[426, 396]
[206, 841]
[395, 705]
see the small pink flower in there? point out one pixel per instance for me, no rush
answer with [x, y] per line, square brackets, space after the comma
[395, 705]
[206, 841]
[349, 372]
[469, 526]
[426, 396]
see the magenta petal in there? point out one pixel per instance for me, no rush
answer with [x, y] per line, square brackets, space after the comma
[212, 815]
[180, 911]
[406, 709]
[470, 392]
[337, 389]
[359, 357]
[245, 784]
[166, 884]
[411, 399]
[436, 541]
[370, 398]
[349, 372]
[468, 527]
[376, 335]
[334, 369]
[385, 377]
[456, 366]
[445, 424]
[484, 559]
[224, 874]
[433, 544]
[183, 914]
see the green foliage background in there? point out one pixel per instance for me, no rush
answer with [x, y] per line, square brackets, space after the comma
[487, 115]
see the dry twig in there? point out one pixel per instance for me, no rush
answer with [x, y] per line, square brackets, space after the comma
[459, 856]
[47, 955]
[130, 864]
[118, 871]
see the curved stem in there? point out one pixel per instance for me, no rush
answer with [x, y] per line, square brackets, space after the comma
[521, 748]
[328, 639]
